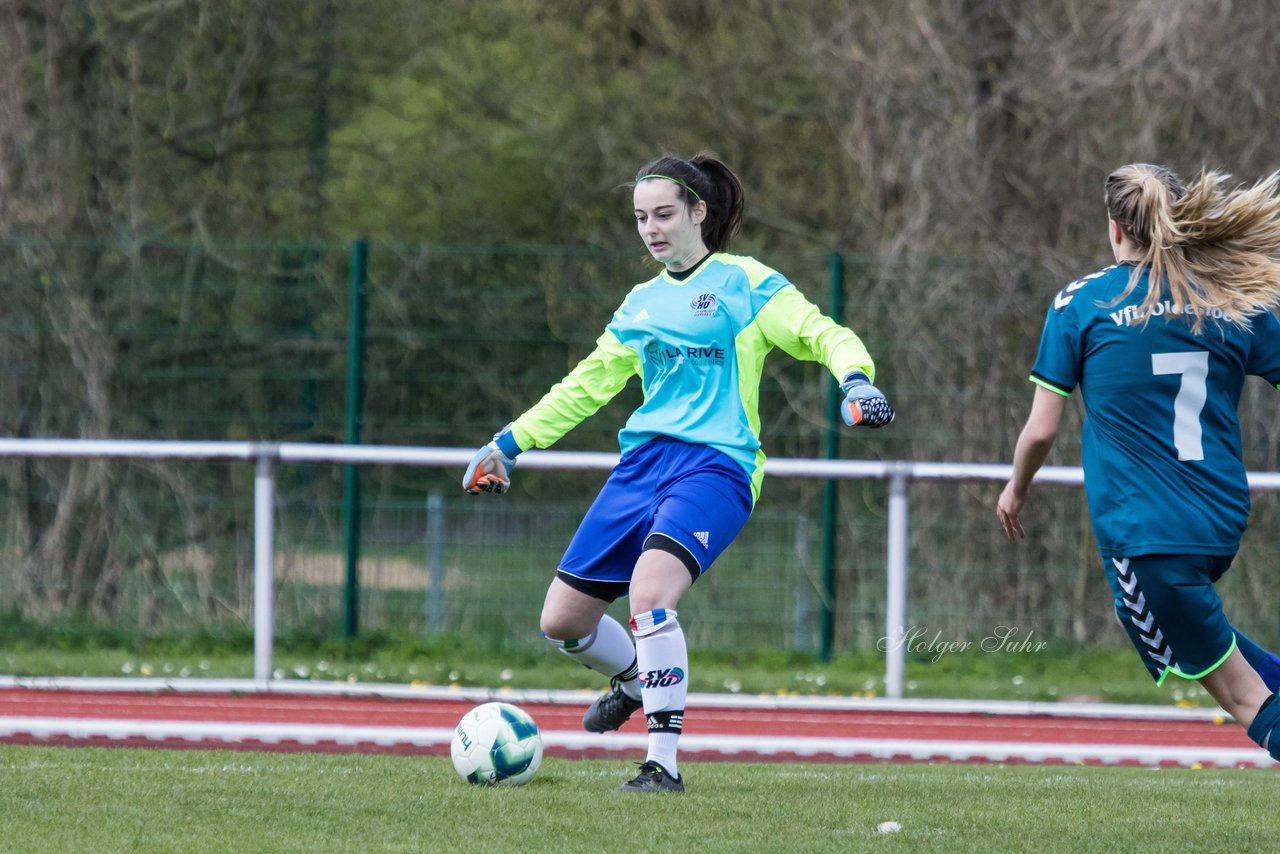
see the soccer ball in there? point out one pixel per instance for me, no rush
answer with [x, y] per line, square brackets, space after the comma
[496, 744]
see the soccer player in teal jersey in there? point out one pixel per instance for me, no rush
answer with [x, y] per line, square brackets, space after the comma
[697, 335]
[1160, 345]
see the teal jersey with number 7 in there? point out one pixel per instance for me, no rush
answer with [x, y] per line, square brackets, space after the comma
[1161, 439]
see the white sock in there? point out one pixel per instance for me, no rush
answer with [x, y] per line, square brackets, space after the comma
[662, 749]
[607, 650]
[663, 659]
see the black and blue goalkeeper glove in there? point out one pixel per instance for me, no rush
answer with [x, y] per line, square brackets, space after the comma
[864, 403]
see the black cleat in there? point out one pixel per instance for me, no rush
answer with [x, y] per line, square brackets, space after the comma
[610, 711]
[653, 778]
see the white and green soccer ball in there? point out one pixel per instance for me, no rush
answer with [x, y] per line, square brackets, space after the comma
[496, 744]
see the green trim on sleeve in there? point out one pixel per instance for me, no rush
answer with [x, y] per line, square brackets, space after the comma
[1047, 385]
[1195, 677]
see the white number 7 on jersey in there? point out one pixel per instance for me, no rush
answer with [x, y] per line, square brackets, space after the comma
[1194, 368]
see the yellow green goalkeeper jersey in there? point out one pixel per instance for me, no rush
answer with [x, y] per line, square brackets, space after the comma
[698, 345]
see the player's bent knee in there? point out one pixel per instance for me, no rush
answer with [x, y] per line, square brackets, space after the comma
[557, 623]
[567, 632]
[569, 644]
[645, 601]
[559, 631]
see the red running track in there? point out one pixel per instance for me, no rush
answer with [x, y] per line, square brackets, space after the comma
[770, 730]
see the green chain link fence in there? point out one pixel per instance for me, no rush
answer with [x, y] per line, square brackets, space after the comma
[212, 341]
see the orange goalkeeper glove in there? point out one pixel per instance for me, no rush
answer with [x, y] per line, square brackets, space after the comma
[490, 469]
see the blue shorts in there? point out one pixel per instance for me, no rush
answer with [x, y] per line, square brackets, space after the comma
[1169, 607]
[689, 500]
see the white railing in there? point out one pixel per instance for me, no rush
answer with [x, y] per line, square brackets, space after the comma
[266, 455]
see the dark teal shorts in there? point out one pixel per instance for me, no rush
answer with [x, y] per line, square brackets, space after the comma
[1169, 607]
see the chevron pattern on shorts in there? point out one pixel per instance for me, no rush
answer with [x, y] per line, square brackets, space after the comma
[1140, 615]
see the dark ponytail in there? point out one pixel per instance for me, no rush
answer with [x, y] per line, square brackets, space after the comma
[709, 179]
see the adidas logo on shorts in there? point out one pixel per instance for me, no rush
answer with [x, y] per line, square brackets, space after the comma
[704, 537]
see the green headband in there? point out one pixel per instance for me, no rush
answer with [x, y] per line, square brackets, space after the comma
[690, 190]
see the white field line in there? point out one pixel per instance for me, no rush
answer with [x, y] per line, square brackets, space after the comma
[744, 747]
[570, 697]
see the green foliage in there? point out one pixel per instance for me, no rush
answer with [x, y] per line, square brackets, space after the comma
[977, 128]
[182, 182]
[159, 800]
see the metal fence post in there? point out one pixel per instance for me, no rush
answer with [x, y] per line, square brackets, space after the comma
[435, 560]
[830, 489]
[264, 595]
[802, 614]
[355, 420]
[895, 613]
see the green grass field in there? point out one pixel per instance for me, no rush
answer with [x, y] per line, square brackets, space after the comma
[102, 800]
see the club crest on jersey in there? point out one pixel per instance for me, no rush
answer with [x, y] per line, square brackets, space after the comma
[703, 305]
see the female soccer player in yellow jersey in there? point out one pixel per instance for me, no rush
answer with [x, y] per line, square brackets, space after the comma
[1160, 344]
[696, 334]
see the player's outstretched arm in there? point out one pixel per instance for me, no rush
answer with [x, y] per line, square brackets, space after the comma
[590, 385]
[490, 469]
[864, 404]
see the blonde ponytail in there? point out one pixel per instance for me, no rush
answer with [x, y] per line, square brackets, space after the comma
[1217, 248]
